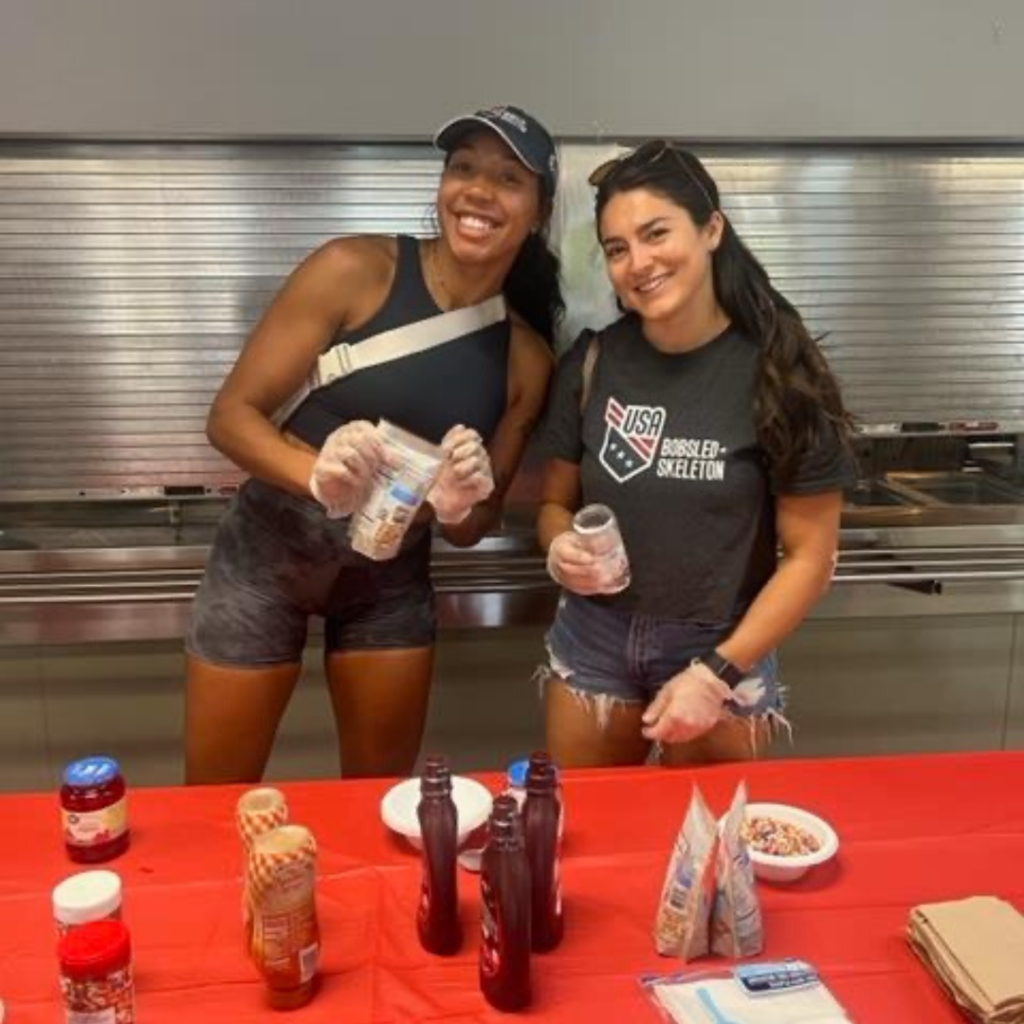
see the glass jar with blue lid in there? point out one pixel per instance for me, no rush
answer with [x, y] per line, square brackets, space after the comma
[94, 810]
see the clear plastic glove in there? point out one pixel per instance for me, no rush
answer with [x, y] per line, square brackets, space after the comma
[345, 466]
[575, 568]
[687, 706]
[465, 477]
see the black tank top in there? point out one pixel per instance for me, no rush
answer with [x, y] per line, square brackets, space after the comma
[464, 381]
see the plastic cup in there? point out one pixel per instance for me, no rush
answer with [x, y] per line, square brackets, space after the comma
[396, 494]
[598, 530]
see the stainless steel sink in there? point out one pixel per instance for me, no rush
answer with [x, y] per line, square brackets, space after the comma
[955, 488]
[874, 494]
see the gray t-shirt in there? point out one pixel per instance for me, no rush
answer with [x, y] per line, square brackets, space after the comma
[669, 443]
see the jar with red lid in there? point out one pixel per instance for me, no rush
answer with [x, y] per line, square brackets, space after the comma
[94, 810]
[96, 974]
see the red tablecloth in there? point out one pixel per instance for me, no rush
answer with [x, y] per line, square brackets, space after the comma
[912, 829]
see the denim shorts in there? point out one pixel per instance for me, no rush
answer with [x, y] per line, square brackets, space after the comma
[277, 559]
[604, 652]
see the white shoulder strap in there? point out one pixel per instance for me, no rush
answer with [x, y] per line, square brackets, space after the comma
[345, 359]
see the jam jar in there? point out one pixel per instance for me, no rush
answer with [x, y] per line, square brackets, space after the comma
[94, 810]
[96, 974]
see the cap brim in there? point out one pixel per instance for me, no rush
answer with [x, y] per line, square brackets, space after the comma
[448, 135]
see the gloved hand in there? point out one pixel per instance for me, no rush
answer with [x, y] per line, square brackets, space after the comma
[577, 569]
[687, 706]
[345, 466]
[465, 477]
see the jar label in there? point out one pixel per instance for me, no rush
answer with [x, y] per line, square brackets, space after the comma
[309, 959]
[94, 828]
[105, 1000]
[490, 953]
[286, 935]
[107, 1016]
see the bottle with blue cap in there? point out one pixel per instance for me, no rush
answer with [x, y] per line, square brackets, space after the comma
[515, 781]
[515, 786]
[94, 810]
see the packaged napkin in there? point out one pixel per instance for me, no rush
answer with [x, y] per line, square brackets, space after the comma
[737, 929]
[684, 911]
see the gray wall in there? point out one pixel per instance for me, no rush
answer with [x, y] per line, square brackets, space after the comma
[718, 69]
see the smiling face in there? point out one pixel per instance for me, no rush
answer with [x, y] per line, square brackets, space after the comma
[658, 259]
[488, 201]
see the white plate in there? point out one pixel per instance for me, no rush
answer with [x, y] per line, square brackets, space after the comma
[789, 869]
[398, 807]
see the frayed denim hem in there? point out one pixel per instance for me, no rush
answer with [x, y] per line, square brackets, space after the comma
[603, 704]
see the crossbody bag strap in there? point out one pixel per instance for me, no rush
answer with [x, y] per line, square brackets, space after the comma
[344, 359]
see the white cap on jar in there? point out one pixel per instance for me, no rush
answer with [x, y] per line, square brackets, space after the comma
[87, 896]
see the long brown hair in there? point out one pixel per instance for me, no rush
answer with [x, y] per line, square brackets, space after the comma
[795, 387]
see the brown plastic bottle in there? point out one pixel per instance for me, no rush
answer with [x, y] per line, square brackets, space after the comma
[505, 908]
[437, 919]
[541, 814]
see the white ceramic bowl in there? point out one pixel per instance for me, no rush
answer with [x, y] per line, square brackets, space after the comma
[789, 869]
[398, 808]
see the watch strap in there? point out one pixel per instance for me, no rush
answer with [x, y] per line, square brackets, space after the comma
[724, 669]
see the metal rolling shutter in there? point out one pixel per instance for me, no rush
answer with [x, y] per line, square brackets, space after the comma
[131, 273]
[129, 277]
[912, 259]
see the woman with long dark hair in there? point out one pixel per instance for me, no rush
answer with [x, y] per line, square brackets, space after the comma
[707, 419]
[283, 551]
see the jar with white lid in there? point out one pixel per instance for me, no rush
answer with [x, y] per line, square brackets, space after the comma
[87, 896]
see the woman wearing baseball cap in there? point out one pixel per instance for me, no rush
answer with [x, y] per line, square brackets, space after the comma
[282, 552]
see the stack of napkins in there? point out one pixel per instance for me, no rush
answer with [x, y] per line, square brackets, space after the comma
[723, 1001]
[975, 948]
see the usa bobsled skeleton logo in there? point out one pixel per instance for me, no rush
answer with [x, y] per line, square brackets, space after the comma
[631, 437]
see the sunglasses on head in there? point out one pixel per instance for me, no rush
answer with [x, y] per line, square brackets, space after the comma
[644, 156]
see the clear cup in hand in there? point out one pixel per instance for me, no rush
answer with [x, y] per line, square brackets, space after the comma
[598, 530]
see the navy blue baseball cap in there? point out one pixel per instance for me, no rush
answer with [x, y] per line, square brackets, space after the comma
[524, 135]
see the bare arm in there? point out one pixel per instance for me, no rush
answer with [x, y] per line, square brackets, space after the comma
[312, 305]
[808, 528]
[690, 703]
[530, 367]
[560, 500]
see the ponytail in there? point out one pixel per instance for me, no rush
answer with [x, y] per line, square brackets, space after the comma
[533, 289]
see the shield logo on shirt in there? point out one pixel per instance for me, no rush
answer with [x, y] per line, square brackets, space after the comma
[631, 437]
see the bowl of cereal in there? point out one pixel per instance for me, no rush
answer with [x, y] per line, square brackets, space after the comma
[786, 842]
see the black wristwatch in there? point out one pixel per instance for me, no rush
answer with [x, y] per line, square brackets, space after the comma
[723, 668]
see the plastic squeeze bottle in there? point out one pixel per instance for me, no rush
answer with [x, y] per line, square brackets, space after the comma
[505, 909]
[437, 919]
[542, 812]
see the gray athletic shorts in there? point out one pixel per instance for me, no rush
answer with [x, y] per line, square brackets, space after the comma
[277, 559]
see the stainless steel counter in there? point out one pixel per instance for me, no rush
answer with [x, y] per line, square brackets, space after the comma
[123, 570]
